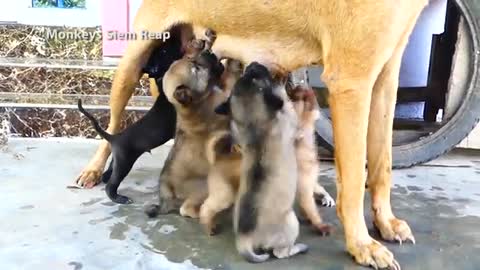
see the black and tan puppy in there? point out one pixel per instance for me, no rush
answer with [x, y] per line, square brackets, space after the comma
[264, 123]
[224, 156]
[154, 129]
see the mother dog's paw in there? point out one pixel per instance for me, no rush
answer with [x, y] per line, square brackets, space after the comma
[89, 178]
[395, 230]
[374, 255]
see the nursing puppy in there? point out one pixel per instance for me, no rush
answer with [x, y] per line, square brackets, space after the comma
[306, 107]
[224, 156]
[147, 133]
[265, 125]
[195, 87]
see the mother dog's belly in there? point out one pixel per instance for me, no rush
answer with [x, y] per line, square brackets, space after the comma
[286, 53]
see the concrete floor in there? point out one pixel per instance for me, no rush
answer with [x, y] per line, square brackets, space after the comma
[46, 226]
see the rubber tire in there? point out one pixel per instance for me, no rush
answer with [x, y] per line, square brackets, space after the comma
[460, 124]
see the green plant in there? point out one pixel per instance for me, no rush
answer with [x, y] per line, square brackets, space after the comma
[75, 3]
[53, 3]
[44, 3]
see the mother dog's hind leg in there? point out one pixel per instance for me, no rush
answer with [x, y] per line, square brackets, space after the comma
[126, 77]
[380, 149]
[350, 79]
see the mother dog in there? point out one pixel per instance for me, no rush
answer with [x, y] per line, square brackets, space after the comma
[359, 43]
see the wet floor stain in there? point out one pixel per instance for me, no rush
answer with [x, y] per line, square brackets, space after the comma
[100, 220]
[92, 202]
[399, 189]
[436, 188]
[76, 265]
[414, 188]
[27, 207]
[167, 229]
[118, 231]
[108, 203]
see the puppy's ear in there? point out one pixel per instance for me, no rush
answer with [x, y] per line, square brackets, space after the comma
[273, 101]
[224, 108]
[183, 95]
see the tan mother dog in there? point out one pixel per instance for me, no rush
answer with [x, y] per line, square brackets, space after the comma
[359, 43]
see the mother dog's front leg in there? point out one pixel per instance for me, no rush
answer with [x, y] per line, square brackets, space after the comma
[350, 105]
[126, 77]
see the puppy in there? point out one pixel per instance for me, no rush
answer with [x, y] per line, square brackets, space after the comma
[127, 146]
[154, 129]
[195, 87]
[306, 107]
[264, 124]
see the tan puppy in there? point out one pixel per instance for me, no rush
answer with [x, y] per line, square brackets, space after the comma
[225, 158]
[359, 43]
[265, 125]
[192, 85]
[306, 107]
[187, 167]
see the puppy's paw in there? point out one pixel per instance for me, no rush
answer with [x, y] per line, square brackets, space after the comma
[395, 230]
[212, 229]
[120, 199]
[301, 248]
[327, 201]
[374, 255]
[187, 211]
[167, 206]
[323, 229]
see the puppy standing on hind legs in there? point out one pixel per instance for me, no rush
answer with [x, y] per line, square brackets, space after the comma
[264, 125]
[194, 86]
[306, 107]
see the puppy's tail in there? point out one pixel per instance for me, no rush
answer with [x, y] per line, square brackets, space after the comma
[220, 143]
[95, 123]
[245, 248]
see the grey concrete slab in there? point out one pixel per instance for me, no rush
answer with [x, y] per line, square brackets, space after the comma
[43, 225]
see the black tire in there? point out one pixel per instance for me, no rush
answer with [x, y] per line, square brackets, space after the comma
[457, 127]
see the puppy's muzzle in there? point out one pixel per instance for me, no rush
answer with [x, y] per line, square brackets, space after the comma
[210, 61]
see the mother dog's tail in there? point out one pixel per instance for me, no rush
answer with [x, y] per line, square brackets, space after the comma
[95, 123]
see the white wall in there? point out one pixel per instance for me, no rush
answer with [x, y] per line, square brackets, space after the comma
[21, 11]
